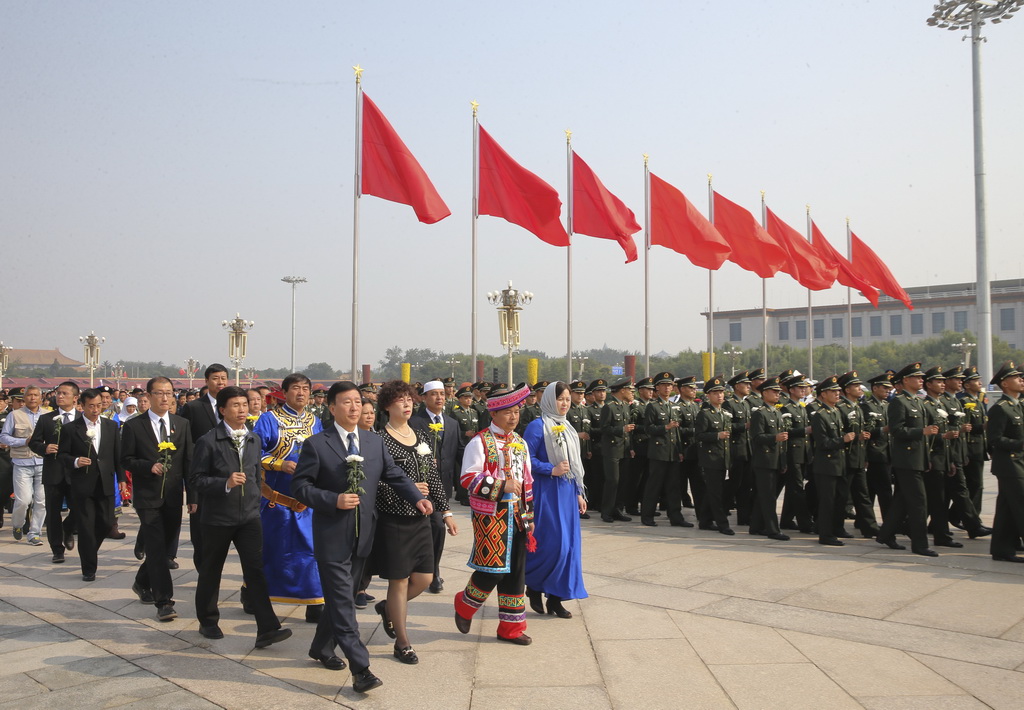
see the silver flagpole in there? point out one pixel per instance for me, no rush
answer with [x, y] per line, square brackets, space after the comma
[476, 214]
[810, 314]
[764, 298]
[849, 300]
[568, 257]
[711, 288]
[357, 190]
[647, 268]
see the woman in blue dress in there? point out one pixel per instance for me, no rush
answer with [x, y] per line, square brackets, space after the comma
[559, 498]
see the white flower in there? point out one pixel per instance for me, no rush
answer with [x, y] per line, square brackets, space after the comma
[91, 433]
[727, 413]
[959, 414]
[786, 415]
[943, 413]
[851, 415]
[875, 415]
[423, 449]
[354, 458]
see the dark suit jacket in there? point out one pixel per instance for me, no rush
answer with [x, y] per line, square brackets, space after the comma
[322, 473]
[45, 433]
[200, 415]
[106, 464]
[451, 448]
[139, 452]
[213, 460]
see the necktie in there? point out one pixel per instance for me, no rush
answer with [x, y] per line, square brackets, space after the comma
[67, 417]
[353, 448]
[163, 430]
[437, 419]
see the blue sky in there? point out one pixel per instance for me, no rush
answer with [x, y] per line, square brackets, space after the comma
[170, 162]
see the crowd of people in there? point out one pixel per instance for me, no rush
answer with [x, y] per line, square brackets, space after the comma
[320, 490]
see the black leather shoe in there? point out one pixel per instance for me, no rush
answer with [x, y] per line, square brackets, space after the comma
[584, 516]
[844, 534]
[649, 522]
[90, 577]
[172, 564]
[58, 557]
[727, 531]
[1011, 558]
[381, 608]
[536, 600]
[462, 624]
[607, 518]
[361, 600]
[331, 663]
[166, 613]
[406, 655]
[979, 532]
[145, 595]
[870, 534]
[891, 543]
[140, 554]
[778, 536]
[521, 640]
[69, 542]
[681, 524]
[265, 639]
[926, 552]
[833, 541]
[635, 512]
[787, 525]
[436, 586]
[951, 543]
[243, 596]
[555, 607]
[365, 681]
[211, 632]
[710, 526]
[313, 613]
[618, 515]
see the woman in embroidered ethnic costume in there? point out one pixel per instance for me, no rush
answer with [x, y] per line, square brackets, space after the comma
[556, 568]
[403, 546]
[496, 474]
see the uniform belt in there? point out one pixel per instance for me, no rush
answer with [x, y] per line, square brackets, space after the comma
[276, 498]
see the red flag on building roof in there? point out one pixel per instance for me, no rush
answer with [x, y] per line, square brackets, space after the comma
[510, 191]
[391, 172]
[805, 263]
[596, 212]
[867, 262]
[678, 225]
[847, 275]
[753, 248]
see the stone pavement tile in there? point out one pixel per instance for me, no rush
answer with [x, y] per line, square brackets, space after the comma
[694, 569]
[54, 654]
[1016, 633]
[986, 604]
[874, 591]
[786, 686]
[625, 561]
[906, 637]
[652, 595]
[110, 693]
[929, 702]
[612, 619]
[441, 681]
[780, 576]
[995, 687]
[19, 685]
[864, 670]
[588, 697]
[175, 700]
[38, 635]
[14, 621]
[658, 673]
[720, 641]
[84, 671]
[121, 636]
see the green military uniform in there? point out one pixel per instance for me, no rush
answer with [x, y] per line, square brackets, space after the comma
[942, 462]
[593, 468]
[876, 422]
[615, 426]
[795, 510]
[661, 425]
[829, 466]
[1006, 446]
[857, 456]
[976, 444]
[690, 466]
[768, 460]
[957, 501]
[469, 426]
[638, 464]
[532, 411]
[713, 453]
[738, 488]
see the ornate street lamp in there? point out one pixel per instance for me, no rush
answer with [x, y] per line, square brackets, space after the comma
[452, 362]
[237, 336]
[509, 302]
[4, 361]
[965, 351]
[732, 352]
[191, 368]
[92, 353]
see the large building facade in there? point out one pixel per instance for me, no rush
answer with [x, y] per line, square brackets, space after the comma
[936, 309]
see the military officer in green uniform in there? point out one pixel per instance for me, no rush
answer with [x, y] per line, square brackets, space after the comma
[1006, 446]
[579, 417]
[961, 511]
[857, 455]
[756, 377]
[638, 464]
[713, 429]
[976, 414]
[829, 466]
[690, 473]
[910, 437]
[768, 437]
[317, 408]
[616, 427]
[593, 468]
[796, 514]
[469, 425]
[661, 424]
[483, 417]
[532, 409]
[738, 489]
[941, 457]
[875, 408]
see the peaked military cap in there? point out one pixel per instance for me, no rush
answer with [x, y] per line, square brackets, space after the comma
[367, 387]
[1007, 369]
[883, 380]
[785, 375]
[911, 370]
[104, 388]
[597, 385]
[464, 392]
[620, 383]
[955, 373]
[664, 378]
[934, 373]
[772, 383]
[485, 386]
[971, 373]
[829, 383]
[688, 381]
[849, 378]
[447, 380]
[542, 385]
[17, 393]
[578, 386]
[645, 383]
[491, 386]
[738, 378]
[715, 384]
[798, 380]
[756, 374]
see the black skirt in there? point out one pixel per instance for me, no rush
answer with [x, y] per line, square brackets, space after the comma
[402, 545]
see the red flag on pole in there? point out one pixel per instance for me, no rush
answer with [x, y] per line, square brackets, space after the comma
[867, 262]
[510, 191]
[847, 275]
[391, 172]
[596, 212]
[753, 248]
[678, 225]
[805, 263]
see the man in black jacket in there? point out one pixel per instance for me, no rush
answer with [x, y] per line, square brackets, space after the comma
[225, 474]
[56, 478]
[157, 448]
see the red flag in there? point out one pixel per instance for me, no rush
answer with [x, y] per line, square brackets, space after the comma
[678, 225]
[752, 248]
[391, 172]
[848, 275]
[805, 263]
[596, 212]
[510, 191]
[867, 261]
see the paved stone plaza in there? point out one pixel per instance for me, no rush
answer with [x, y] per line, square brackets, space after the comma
[676, 619]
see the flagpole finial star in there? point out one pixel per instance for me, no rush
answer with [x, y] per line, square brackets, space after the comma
[762, 195]
[847, 221]
[646, 157]
[475, 106]
[709, 178]
[359, 73]
[568, 136]
[808, 206]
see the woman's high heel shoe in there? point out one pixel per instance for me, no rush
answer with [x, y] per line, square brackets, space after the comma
[555, 607]
[536, 600]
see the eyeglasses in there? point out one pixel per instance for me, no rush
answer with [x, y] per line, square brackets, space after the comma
[158, 393]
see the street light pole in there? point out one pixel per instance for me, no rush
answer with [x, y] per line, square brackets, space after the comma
[92, 353]
[191, 367]
[237, 338]
[509, 302]
[294, 281]
[4, 361]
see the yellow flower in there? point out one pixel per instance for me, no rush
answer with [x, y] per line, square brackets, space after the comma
[166, 446]
[970, 405]
[558, 428]
[252, 417]
[516, 446]
[436, 427]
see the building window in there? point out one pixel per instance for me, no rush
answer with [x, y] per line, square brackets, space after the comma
[801, 330]
[735, 332]
[875, 325]
[837, 327]
[917, 323]
[938, 322]
[856, 329]
[819, 328]
[959, 321]
[895, 325]
[1007, 319]
[783, 330]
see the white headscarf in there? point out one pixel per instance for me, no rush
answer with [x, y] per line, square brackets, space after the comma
[564, 445]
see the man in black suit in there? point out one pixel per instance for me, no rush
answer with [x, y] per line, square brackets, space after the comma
[91, 451]
[202, 416]
[157, 488]
[448, 446]
[56, 478]
[225, 474]
[343, 522]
